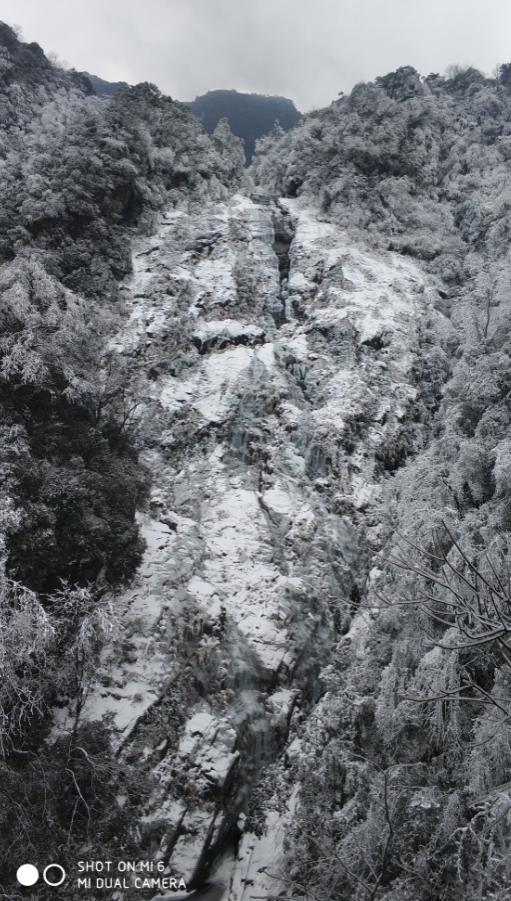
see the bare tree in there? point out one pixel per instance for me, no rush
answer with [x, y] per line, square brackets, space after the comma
[473, 597]
[466, 604]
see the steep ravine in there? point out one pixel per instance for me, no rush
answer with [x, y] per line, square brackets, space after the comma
[272, 362]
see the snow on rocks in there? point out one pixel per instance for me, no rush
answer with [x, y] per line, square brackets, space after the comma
[263, 435]
[130, 682]
[213, 388]
[208, 742]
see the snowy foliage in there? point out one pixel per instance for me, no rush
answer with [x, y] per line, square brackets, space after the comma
[420, 165]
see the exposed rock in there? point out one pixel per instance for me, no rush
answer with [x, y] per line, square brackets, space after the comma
[264, 444]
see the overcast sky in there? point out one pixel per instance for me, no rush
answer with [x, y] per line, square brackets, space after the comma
[308, 50]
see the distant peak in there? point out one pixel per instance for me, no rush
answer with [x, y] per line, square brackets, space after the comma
[250, 116]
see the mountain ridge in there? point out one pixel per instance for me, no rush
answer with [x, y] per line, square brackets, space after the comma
[250, 116]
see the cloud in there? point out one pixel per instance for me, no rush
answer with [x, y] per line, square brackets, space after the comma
[308, 50]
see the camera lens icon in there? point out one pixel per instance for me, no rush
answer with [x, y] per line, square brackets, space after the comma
[54, 874]
[27, 874]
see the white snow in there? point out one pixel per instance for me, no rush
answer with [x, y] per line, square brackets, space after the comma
[279, 500]
[243, 530]
[229, 328]
[213, 389]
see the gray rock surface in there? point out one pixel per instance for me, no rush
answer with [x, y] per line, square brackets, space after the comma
[274, 394]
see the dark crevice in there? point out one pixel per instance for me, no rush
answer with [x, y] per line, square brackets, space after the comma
[281, 246]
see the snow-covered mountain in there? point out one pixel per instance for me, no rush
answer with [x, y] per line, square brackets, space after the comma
[256, 466]
[272, 361]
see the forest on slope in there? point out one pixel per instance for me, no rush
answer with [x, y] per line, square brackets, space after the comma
[80, 176]
[404, 785]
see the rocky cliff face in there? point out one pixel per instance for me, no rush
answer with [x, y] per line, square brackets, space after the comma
[272, 366]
